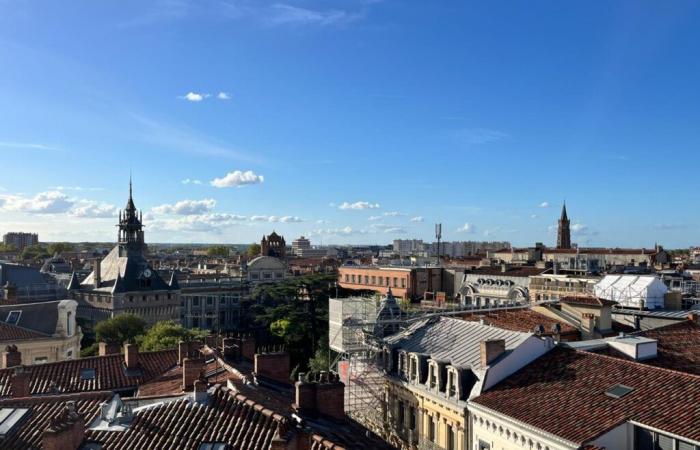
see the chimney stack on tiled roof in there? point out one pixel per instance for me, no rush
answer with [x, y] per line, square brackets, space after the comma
[248, 347]
[192, 370]
[20, 383]
[109, 348]
[66, 431]
[272, 365]
[98, 272]
[188, 350]
[325, 397]
[11, 357]
[200, 391]
[491, 350]
[131, 356]
[693, 316]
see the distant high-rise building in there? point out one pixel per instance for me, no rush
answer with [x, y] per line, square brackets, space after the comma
[20, 240]
[300, 244]
[408, 247]
[564, 230]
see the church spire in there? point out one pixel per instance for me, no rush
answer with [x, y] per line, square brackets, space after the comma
[130, 226]
[563, 212]
[564, 230]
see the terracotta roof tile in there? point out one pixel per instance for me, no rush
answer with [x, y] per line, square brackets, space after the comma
[10, 332]
[587, 300]
[524, 320]
[563, 393]
[110, 373]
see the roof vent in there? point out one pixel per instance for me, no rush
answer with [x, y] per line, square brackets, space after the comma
[618, 391]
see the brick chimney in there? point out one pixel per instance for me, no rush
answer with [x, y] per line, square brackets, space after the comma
[491, 350]
[66, 431]
[108, 348]
[248, 348]
[588, 325]
[192, 370]
[188, 350]
[20, 383]
[324, 397]
[274, 366]
[11, 357]
[211, 341]
[131, 356]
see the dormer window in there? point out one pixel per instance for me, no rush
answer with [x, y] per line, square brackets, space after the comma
[414, 368]
[433, 376]
[451, 383]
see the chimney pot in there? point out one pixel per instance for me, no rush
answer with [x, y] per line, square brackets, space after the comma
[12, 357]
[131, 356]
[108, 348]
[20, 383]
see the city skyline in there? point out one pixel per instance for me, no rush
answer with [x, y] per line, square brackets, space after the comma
[356, 122]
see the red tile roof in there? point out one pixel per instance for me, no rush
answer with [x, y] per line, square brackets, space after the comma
[563, 393]
[602, 251]
[515, 271]
[110, 373]
[524, 320]
[229, 418]
[42, 410]
[14, 333]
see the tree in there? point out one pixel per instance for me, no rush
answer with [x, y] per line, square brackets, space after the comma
[218, 250]
[9, 248]
[121, 329]
[254, 250]
[167, 334]
[33, 252]
[59, 247]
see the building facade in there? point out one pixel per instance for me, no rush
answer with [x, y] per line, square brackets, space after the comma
[299, 244]
[213, 305]
[408, 283]
[554, 287]
[496, 286]
[273, 245]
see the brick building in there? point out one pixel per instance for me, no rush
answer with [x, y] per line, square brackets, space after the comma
[408, 283]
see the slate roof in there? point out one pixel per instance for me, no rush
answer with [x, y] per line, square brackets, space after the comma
[110, 374]
[563, 393]
[129, 266]
[22, 276]
[42, 410]
[452, 340]
[228, 418]
[41, 317]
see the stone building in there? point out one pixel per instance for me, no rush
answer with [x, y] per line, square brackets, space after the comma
[273, 245]
[124, 282]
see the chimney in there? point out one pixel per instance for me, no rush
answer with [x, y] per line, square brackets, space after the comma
[10, 293]
[588, 325]
[131, 356]
[66, 431]
[211, 341]
[192, 370]
[330, 396]
[98, 272]
[200, 392]
[20, 383]
[248, 348]
[183, 351]
[305, 396]
[109, 348]
[274, 366]
[693, 316]
[12, 357]
[491, 350]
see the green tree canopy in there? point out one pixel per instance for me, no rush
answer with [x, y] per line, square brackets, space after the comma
[253, 250]
[7, 248]
[121, 329]
[33, 252]
[218, 250]
[167, 334]
[59, 247]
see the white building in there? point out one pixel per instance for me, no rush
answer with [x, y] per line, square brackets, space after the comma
[408, 247]
[633, 291]
[266, 269]
[300, 244]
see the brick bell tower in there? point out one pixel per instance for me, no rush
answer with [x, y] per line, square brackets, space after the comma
[564, 230]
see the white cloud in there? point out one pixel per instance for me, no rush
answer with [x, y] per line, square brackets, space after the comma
[95, 210]
[346, 231]
[49, 202]
[373, 218]
[28, 146]
[417, 219]
[291, 219]
[214, 222]
[237, 178]
[466, 228]
[358, 205]
[191, 181]
[544, 205]
[580, 229]
[282, 14]
[282, 219]
[323, 221]
[393, 214]
[223, 96]
[477, 136]
[187, 207]
[533, 216]
[77, 188]
[194, 97]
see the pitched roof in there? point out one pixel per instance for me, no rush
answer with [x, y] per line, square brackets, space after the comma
[587, 300]
[563, 393]
[516, 271]
[524, 320]
[110, 373]
[228, 418]
[14, 333]
[128, 265]
[452, 340]
[42, 409]
[41, 317]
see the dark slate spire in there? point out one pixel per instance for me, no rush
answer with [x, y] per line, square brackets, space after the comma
[173, 281]
[563, 212]
[564, 230]
[118, 285]
[74, 283]
[130, 227]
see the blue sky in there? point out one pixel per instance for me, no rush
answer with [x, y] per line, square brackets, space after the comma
[354, 121]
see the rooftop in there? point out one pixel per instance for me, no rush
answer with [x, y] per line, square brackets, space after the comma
[524, 320]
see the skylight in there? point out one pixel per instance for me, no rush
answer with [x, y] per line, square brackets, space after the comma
[13, 317]
[87, 374]
[212, 446]
[618, 391]
[9, 418]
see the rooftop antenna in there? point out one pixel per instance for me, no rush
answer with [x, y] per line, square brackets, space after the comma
[438, 236]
